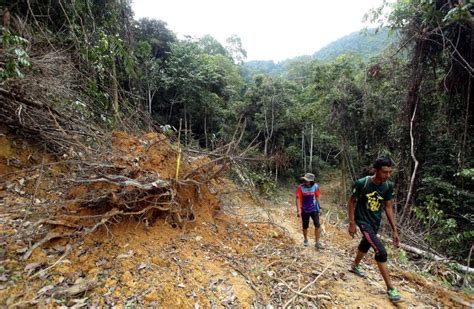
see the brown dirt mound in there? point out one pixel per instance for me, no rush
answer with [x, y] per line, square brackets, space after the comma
[134, 256]
[141, 182]
[136, 178]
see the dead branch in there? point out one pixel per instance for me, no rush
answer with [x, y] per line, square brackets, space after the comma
[43, 271]
[271, 223]
[17, 98]
[250, 281]
[50, 236]
[76, 289]
[319, 296]
[56, 223]
[468, 263]
[432, 256]
[122, 181]
[308, 285]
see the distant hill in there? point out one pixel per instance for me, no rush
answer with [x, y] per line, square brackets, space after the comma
[271, 67]
[365, 44]
[262, 66]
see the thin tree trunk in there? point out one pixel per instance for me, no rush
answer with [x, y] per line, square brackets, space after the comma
[411, 105]
[276, 174]
[190, 128]
[115, 104]
[464, 281]
[311, 149]
[150, 98]
[185, 127]
[303, 151]
[205, 127]
[343, 174]
[466, 123]
[407, 207]
[171, 110]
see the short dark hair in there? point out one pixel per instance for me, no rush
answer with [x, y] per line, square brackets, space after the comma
[381, 162]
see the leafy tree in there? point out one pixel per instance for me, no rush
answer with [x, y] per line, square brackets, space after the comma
[158, 36]
[235, 50]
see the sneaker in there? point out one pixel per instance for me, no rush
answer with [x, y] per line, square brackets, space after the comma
[393, 294]
[318, 245]
[305, 242]
[357, 269]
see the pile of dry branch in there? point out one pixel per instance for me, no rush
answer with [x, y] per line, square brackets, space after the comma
[138, 178]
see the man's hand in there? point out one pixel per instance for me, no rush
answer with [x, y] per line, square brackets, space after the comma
[352, 229]
[396, 239]
[299, 213]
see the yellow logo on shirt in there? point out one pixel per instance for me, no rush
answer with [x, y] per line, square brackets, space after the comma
[374, 201]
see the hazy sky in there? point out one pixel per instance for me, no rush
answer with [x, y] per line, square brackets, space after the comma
[270, 30]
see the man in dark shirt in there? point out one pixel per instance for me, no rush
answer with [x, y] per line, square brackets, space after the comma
[372, 195]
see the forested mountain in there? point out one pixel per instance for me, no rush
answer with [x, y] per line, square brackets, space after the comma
[364, 43]
[72, 72]
[250, 68]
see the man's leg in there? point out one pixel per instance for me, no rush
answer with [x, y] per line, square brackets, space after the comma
[305, 221]
[362, 250]
[317, 233]
[317, 227]
[380, 254]
[305, 234]
[359, 256]
[385, 275]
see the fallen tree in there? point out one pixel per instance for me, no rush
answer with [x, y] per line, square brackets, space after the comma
[432, 256]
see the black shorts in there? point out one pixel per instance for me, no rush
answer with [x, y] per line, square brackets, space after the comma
[305, 218]
[370, 239]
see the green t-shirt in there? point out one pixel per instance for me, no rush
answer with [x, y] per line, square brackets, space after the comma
[371, 200]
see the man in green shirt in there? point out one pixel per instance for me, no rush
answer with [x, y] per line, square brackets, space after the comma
[372, 195]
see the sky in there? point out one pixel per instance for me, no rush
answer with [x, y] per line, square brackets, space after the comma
[269, 30]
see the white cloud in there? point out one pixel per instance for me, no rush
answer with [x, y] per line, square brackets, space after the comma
[270, 30]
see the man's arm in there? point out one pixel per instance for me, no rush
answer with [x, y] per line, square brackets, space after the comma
[391, 220]
[299, 200]
[298, 207]
[351, 215]
[317, 193]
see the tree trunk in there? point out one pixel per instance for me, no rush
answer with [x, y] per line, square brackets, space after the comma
[466, 125]
[171, 110]
[343, 175]
[276, 174]
[185, 127]
[115, 104]
[407, 207]
[303, 155]
[150, 98]
[190, 136]
[311, 149]
[410, 117]
[205, 127]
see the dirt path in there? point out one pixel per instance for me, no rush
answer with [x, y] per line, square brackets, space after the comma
[348, 290]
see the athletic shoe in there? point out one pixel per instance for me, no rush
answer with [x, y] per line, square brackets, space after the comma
[305, 243]
[357, 269]
[318, 245]
[393, 294]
